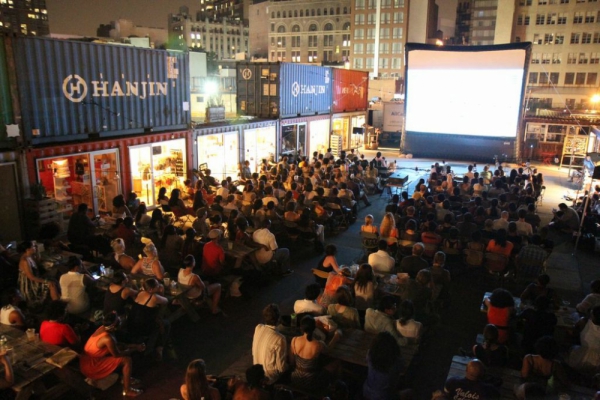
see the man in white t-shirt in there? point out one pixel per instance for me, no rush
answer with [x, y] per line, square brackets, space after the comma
[502, 222]
[73, 285]
[309, 303]
[269, 249]
[381, 261]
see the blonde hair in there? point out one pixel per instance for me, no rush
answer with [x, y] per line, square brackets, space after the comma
[368, 219]
[150, 249]
[118, 245]
[387, 225]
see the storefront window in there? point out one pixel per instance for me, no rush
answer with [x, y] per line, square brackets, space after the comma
[157, 165]
[90, 178]
[357, 140]
[319, 136]
[340, 128]
[220, 153]
[259, 144]
[293, 139]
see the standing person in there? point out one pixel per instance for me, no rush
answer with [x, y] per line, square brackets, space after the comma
[102, 355]
[34, 288]
[73, 285]
[269, 347]
[270, 250]
[196, 386]
[199, 290]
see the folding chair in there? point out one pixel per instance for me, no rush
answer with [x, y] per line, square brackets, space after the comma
[473, 258]
[369, 242]
[182, 217]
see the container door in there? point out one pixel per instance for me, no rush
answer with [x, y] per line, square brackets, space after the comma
[9, 204]
[141, 174]
[106, 178]
[231, 156]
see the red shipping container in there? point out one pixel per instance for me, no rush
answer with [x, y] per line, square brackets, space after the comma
[350, 90]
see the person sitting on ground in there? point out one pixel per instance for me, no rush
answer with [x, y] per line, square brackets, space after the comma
[143, 322]
[472, 384]
[490, 352]
[381, 261]
[11, 314]
[500, 310]
[73, 286]
[341, 311]
[122, 260]
[406, 325]
[197, 385]
[307, 373]
[149, 265]
[415, 262]
[55, 331]
[539, 321]
[384, 365]
[269, 347]
[309, 303]
[118, 294]
[199, 290]
[334, 281]
[586, 358]
[565, 219]
[368, 227]
[540, 288]
[382, 319]
[102, 355]
[543, 365]
[591, 300]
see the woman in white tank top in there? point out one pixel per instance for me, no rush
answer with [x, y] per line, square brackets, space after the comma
[199, 290]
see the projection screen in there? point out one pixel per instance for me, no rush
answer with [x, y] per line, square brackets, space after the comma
[464, 98]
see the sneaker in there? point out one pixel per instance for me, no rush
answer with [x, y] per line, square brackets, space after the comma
[287, 272]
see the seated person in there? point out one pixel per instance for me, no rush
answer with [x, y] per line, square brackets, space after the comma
[9, 377]
[73, 286]
[381, 261]
[127, 232]
[171, 242]
[543, 365]
[269, 347]
[197, 385]
[11, 314]
[142, 219]
[328, 263]
[368, 227]
[120, 209]
[55, 331]
[540, 288]
[309, 303]
[490, 352]
[270, 250]
[149, 265]
[500, 310]
[384, 365]
[334, 281]
[143, 322]
[122, 260]
[199, 223]
[118, 294]
[406, 325]
[472, 383]
[382, 319]
[253, 388]
[341, 311]
[415, 262]
[102, 355]
[213, 255]
[539, 321]
[191, 246]
[199, 290]
[591, 300]
[586, 358]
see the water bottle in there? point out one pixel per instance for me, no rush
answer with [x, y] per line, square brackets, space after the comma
[102, 270]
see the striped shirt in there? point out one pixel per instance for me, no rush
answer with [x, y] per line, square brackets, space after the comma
[269, 349]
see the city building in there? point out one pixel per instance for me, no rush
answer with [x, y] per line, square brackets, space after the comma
[217, 10]
[303, 31]
[226, 39]
[24, 17]
[124, 28]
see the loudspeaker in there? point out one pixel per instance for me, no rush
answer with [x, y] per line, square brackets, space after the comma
[596, 174]
[357, 130]
[531, 143]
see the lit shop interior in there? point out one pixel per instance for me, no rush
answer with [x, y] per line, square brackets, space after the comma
[157, 165]
[344, 127]
[91, 178]
[219, 153]
[259, 144]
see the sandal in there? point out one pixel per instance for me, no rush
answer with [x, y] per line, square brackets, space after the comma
[132, 392]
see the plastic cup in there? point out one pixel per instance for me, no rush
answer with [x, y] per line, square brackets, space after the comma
[30, 334]
[230, 245]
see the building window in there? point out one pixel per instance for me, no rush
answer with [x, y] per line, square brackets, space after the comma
[359, 19]
[296, 56]
[586, 38]
[327, 41]
[562, 19]
[398, 3]
[313, 41]
[590, 17]
[371, 33]
[370, 48]
[370, 63]
[580, 78]
[384, 48]
[398, 17]
[548, 38]
[556, 58]
[533, 78]
[570, 103]
[396, 63]
[371, 4]
[535, 58]
[551, 19]
[546, 58]
[569, 78]
[281, 29]
[359, 4]
[559, 38]
[539, 19]
[575, 38]
[312, 56]
[596, 38]
[595, 58]
[295, 41]
[592, 77]
[359, 34]
[384, 33]
[296, 28]
[572, 58]
[384, 63]
[328, 27]
[371, 19]
[583, 58]
[312, 28]
[543, 79]
[578, 17]
[358, 63]
[397, 33]
[396, 48]
[358, 48]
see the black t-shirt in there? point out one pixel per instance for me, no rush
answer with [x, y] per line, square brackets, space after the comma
[465, 389]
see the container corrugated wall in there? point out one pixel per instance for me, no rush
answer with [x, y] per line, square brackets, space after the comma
[283, 90]
[69, 90]
[6, 115]
[350, 90]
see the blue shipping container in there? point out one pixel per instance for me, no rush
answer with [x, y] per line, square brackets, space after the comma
[283, 90]
[6, 116]
[70, 90]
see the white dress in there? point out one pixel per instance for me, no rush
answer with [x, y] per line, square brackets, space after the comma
[586, 356]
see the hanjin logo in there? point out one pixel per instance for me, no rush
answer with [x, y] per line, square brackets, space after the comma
[295, 89]
[75, 88]
[247, 74]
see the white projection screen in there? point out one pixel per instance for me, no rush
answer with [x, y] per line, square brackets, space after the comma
[464, 102]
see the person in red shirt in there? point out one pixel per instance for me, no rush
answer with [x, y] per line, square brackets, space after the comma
[127, 232]
[431, 236]
[54, 331]
[213, 255]
[500, 244]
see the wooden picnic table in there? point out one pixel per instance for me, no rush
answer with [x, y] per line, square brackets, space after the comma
[390, 285]
[354, 345]
[511, 378]
[29, 360]
[238, 251]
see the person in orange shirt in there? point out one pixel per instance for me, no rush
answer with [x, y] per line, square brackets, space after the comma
[500, 245]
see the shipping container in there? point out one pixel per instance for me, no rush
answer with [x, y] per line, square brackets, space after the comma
[6, 114]
[283, 90]
[73, 90]
[350, 90]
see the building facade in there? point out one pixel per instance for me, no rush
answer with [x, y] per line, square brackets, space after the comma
[379, 34]
[125, 28]
[226, 39]
[24, 17]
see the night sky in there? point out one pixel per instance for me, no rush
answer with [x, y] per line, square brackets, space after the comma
[82, 17]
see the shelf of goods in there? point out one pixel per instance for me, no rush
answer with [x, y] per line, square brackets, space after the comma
[39, 213]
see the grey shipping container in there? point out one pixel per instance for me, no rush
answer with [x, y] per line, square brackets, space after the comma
[73, 90]
[6, 115]
[283, 90]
